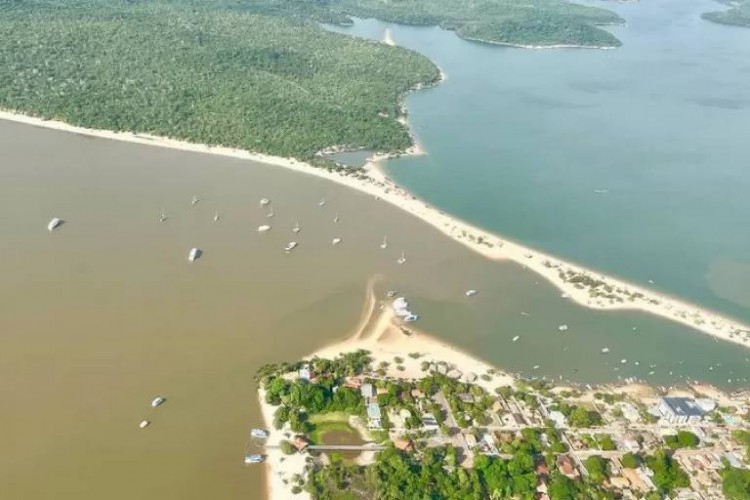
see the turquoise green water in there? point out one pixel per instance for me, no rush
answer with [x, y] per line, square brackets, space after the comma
[632, 161]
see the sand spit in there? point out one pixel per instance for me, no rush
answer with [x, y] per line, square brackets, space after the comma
[584, 286]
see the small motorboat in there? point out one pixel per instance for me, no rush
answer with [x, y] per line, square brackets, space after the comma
[515, 339]
[194, 201]
[605, 350]
[157, 401]
[410, 318]
[335, 241]
[391, 293]
[264, 228]
[562, 328]
[264, 202]
[295, 229]
[535, 367]
[384, 245]
[623, 361]
[144, 424]
[290, 246]
[401, 260]
[259, 433]
[195, 253]
[253, 459]
[216, 217]
[163, 216]
[54, 224]
[471, 293]
[322, 202]
[269, 215]
[336, 218]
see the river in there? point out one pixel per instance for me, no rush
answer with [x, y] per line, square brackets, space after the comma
[632, 161]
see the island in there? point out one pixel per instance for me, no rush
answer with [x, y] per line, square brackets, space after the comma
[392, 413]
[737, 14]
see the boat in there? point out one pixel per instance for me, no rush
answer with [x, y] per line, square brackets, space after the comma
[565, 295]
[322, 202]
[402, 259]
[410, 318]
[605, 350]
[270, 214]
[336, 219]
[216, 217]
[162, 217]
[253, 459]
[535, 367]
[54, 224]
[290, 246]
[562, 328]
[263, 228]
[144, 424]
[295, 229]
[195, 253]
[194, 201]
[335, 241]
[391, 293]
[515, 339]
[471, 293]
[623, 361]
[264, 202]
[259, 433]
[158, 400]
[384, 245]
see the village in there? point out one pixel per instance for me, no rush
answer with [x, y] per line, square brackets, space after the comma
[626, 441]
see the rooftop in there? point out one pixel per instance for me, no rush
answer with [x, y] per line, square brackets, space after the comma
[683, 406]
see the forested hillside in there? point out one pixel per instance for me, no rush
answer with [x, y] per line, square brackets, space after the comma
[216, 76]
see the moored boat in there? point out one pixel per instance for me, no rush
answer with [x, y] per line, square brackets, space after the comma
[144, 424]
[290, 246]
[259, 433]
[253, 459]
[195, 253]
[158, 400]
[54, 224]
[263, 228]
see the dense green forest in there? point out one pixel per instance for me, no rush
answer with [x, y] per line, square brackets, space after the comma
[738, 13]
[215, 76]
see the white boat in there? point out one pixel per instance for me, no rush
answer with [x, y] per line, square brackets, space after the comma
[264, 202]
[515, 339]
[562, 328]
[335, 241]
[391, 293]
[259, 433]
[54, 224]
[216, 217]
[263, 228]
[605, 350]
[623, 361]
[565, 295]
[384, 245]
[336, 219]
[270, 214]
[162, 217]
[195, 253]
[290, 246]
[410, 318]
[402, 259]
[471, 293]
[144, 424]
[194, 201]
[535, 367]
[158, 400]
[295, 229]
[322, 202]
[253, 459]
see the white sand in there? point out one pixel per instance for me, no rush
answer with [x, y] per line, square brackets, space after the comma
[483, 242]
[279, 467]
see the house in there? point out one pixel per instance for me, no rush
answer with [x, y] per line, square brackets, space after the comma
[558, 419]
[619, 482]
[466, 397]
[367, 391]
[630, 412]
[300, 442]
[567, 467]
[429, 423]
[403, 444]
[353, 382]
[417, 394]
[471, 440]
[305, 373]
[630, 444]
[680, 410]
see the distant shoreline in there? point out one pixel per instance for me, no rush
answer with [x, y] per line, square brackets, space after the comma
[582, 285]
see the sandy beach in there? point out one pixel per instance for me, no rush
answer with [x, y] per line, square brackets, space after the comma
[584, 286]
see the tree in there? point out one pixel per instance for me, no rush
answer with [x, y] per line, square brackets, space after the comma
[667, 473]
[630, 461]
[597, 467]
[735, 483]
[286, 447]
[562, 488]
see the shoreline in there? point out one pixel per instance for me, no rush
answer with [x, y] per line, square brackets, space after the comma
[382, 334]
[584, 286]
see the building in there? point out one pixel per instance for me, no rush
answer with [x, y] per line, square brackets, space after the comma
[567, 467]
[305, 373]
[678, 410]
[429, 423]
[300, 442]
[367, 391]
[558, 419]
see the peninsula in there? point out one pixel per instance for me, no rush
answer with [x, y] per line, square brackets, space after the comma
[366, 419]
[736, 14]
